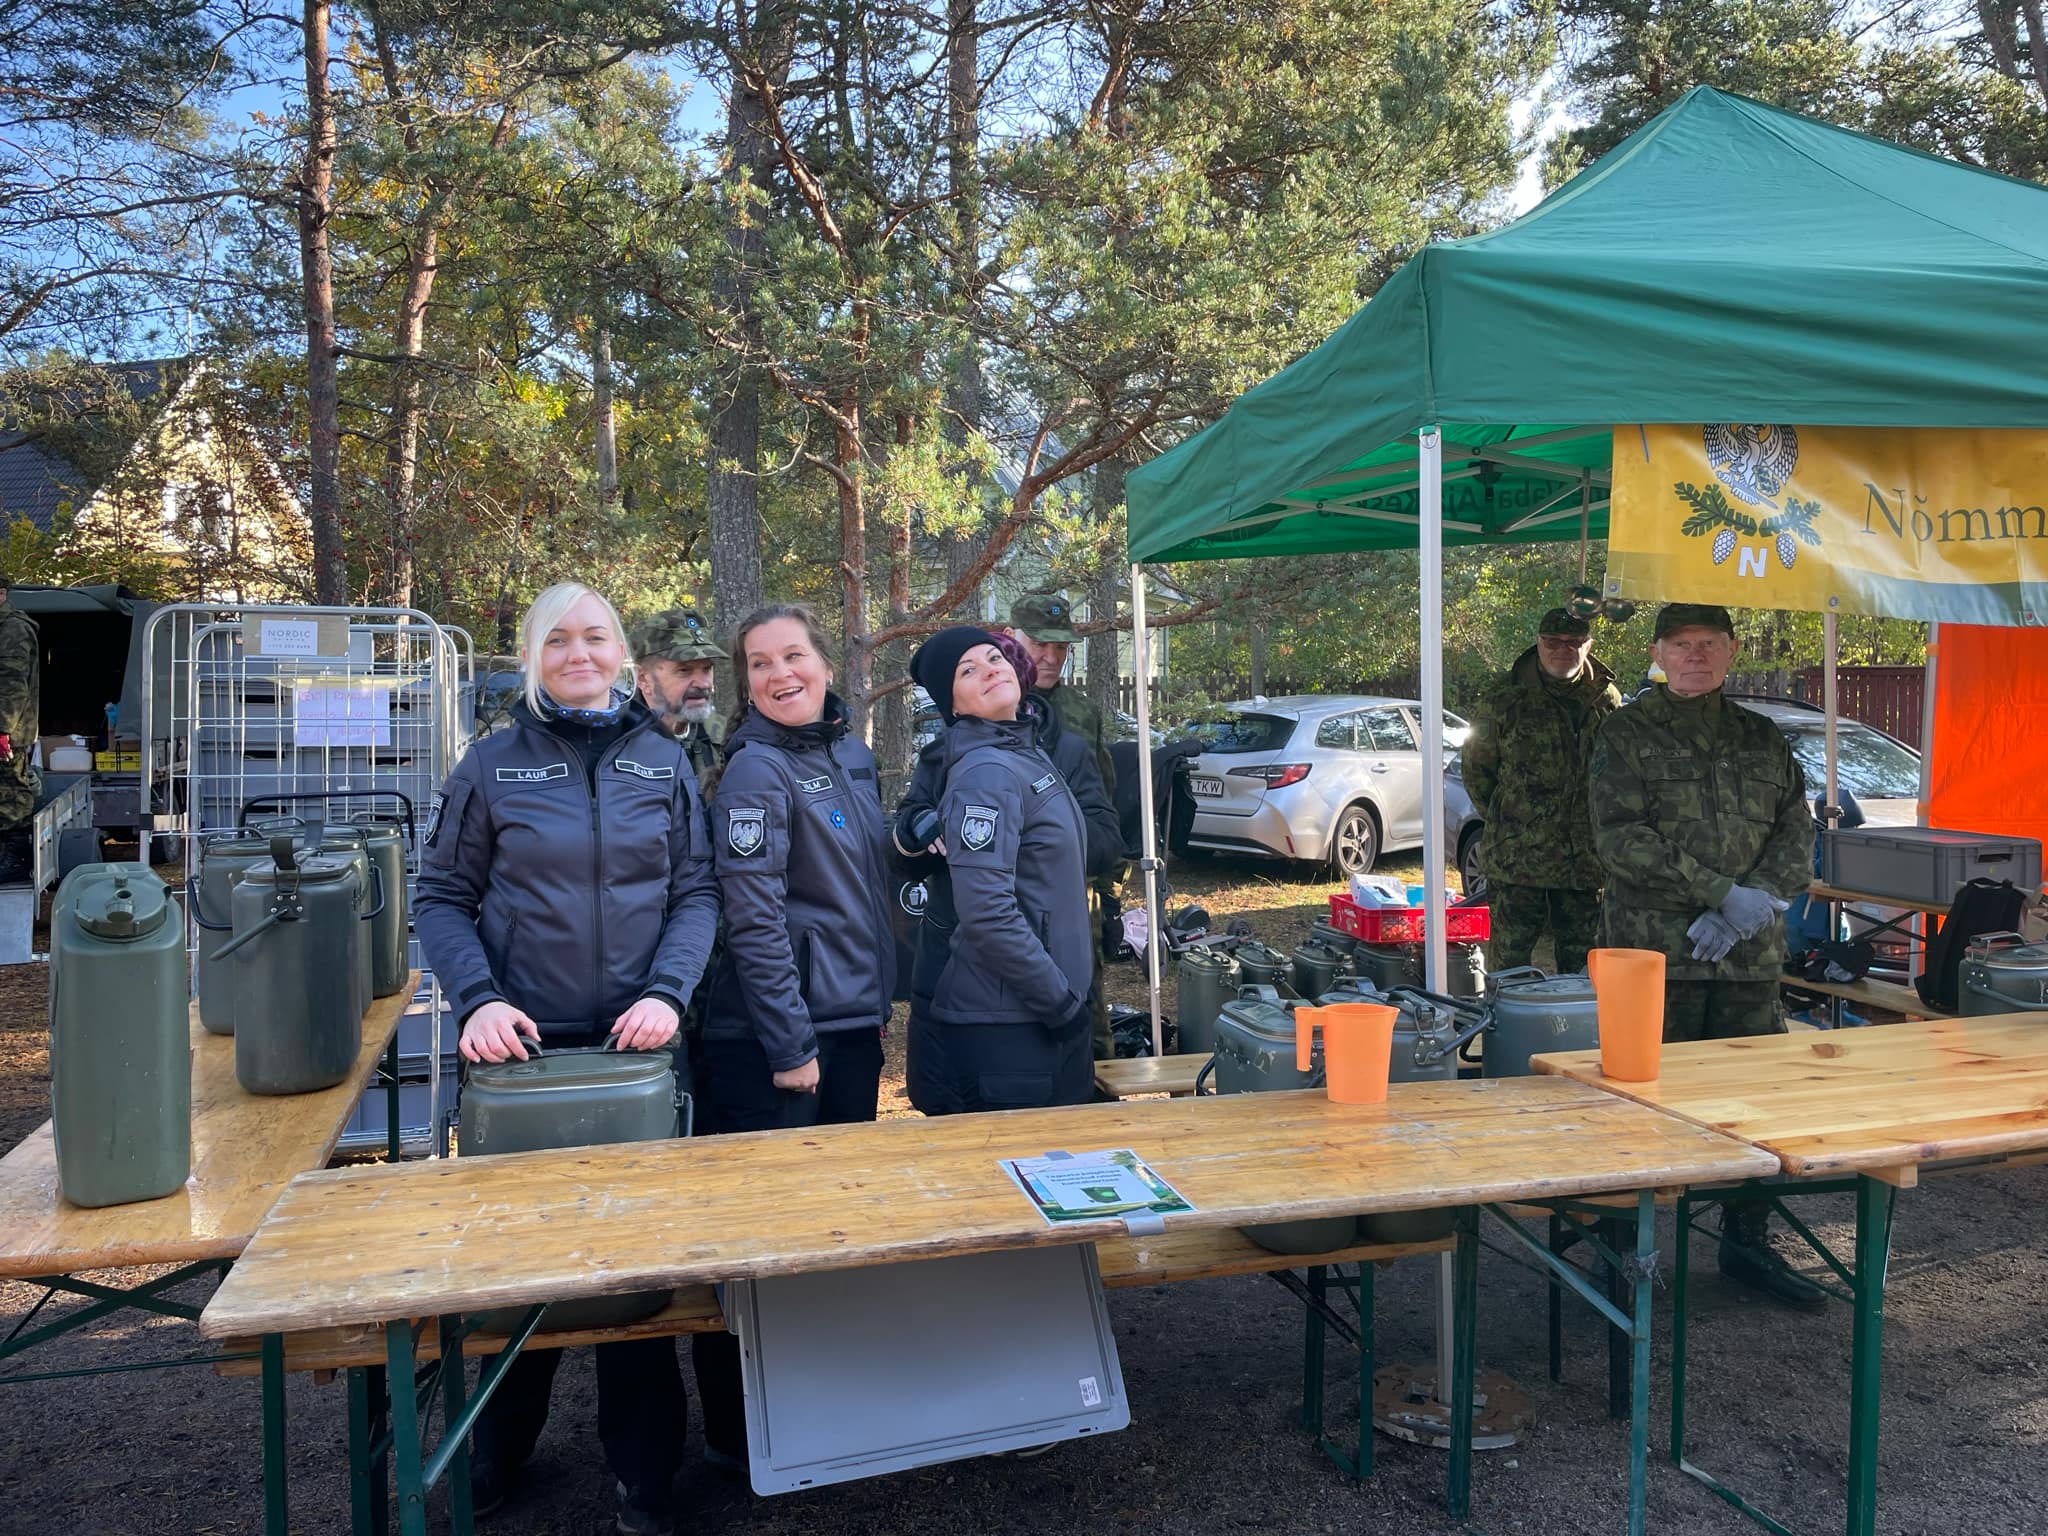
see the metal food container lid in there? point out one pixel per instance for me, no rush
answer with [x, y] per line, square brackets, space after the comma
[309, 869]
[1551, 989]
[122, 902]
[594, 1068]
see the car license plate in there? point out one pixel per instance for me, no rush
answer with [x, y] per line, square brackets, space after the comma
[1209, 788]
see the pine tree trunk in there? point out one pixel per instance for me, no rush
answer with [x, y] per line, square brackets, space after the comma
[857, 682]
[316, 269]
[964, 401]
[402, 448]
[607, 426]
[1105, 650]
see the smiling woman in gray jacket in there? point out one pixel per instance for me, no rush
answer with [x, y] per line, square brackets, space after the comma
[1010, 1003]
[566, 893]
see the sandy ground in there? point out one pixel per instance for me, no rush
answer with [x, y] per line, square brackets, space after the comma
[1213, 1372]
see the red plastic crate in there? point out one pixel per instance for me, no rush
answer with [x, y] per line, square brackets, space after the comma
[1403, 925]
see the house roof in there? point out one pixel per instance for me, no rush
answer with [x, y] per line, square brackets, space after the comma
[35, 480]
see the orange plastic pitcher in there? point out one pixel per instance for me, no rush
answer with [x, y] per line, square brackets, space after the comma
[1358, 1047]
[1628, 985]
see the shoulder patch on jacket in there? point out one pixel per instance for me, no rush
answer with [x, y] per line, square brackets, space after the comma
[434, 818]
[978, 826]
[533, 775]
[816, 786]
[746, 831]
[642, 770]
[1044, 782]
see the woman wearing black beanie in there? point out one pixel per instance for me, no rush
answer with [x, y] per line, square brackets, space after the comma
[1008, 1016]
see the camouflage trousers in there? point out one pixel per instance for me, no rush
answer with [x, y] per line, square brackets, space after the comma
[19, 786]
[1721, 1010]
[1522, 914]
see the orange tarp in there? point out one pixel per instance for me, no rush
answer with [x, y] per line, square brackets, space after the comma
[1989, 764]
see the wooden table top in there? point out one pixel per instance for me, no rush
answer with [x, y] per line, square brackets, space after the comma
[1130, 1075]
[366, 1245]
[1887, 1097]
[245, 1149]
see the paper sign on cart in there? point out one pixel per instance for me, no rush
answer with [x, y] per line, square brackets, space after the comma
[1094, 1186]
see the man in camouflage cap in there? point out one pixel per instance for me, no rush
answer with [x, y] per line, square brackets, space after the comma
[1525, 768]
[21, 652]
[1044, 622]
[672, 656]
[1700, 817]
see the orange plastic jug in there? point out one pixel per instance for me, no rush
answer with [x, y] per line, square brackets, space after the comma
[1358, 1046]
[1628, 985]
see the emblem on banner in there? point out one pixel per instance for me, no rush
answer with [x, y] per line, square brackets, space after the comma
[746, 831]
[1755, 464]
[978, 827]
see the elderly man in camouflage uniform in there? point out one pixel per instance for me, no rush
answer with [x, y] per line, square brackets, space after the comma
[1044, 622]
[673, 654]
[1700, 817]
[20, 704]
[1525, 768]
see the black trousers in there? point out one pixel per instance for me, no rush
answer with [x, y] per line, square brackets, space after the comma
[956, 1069]
[643, 1415]
[740, 1095]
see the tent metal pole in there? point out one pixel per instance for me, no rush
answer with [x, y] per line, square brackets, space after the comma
[1141, 668]
[1927, 720]
[1431, 516]
[1830, 655]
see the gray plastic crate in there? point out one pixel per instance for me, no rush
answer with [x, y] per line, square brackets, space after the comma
[1925, 866]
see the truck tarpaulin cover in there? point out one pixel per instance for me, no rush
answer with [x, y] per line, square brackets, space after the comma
[1990, 748]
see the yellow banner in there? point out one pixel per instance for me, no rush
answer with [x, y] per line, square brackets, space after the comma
[1911, 524]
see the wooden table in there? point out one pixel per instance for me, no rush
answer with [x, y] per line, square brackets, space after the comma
[385, 1245]
[1129, 1076]
[1871, 994]
[1862, 1110]
[246, 1148]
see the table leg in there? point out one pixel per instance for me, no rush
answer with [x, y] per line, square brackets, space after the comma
[1558, 1245]
[276, 1519]
[1312, 1353]
[1367, 1367]
[1464, 1359]
[393, 1142]
[1866, 1368]
[361, 1453]
[1680, 1287]
[405, 1430]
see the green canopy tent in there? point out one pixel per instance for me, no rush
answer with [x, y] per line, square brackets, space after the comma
[1729, 262]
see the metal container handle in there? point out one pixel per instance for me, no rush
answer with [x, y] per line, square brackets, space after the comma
[274, 915]
[1494, 980]
[1984, 943]
[1203, 1076]
[376, 873]
[404, 800]
[198, 914]
[2006, 1004]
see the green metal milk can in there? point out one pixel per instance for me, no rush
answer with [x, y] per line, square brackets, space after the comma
[1322, 931]
[1207, 979]
[223, 860]
[1259, 965]
[120, 1040]
[298, 939]
[1530, 1014]
[2003, 973]
[390, 930]
[579, 1097]
[1388, 966]
[1314, 966]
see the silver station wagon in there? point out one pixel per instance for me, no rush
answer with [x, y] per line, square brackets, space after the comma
[1325, 778]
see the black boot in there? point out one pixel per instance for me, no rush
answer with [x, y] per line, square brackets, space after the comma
[1748, 1259]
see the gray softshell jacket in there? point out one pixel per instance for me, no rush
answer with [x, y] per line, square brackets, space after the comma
[1015, 850]
[568, 902]
[800, 845]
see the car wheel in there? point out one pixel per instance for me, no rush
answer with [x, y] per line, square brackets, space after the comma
[1470, 876]
[1355, 844]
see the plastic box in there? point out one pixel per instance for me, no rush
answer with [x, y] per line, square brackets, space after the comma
[1403, 925]
[1925, 866]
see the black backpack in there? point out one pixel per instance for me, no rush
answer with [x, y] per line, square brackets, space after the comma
[1981, 907]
